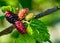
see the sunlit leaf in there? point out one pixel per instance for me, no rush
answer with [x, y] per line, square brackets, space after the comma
[38, 30]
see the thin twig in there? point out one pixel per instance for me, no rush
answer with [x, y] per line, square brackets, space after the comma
[7, 30]
[47, 12]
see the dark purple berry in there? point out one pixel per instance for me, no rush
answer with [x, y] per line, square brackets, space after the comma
[11, 17]
[20, 27]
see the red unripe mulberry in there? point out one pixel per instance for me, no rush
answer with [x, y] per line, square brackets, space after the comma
[20, 27]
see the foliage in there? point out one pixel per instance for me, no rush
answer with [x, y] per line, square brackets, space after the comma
[10, 8]
[26, 3]
[36, 30]
[2, 3]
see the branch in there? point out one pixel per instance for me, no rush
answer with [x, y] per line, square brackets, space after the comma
[7, 30]
[47, 12]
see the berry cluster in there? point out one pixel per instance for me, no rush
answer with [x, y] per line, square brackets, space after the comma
[13, 18]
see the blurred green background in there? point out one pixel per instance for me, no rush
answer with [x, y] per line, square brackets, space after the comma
[36, 6]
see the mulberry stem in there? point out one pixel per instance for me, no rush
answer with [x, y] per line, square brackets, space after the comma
[7, 30]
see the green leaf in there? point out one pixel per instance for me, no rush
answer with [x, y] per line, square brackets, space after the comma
[26, 3]
[22, 38]
[38, 30]
[10, 8]
[2, 17]
[20, 6]
[25, 39]
[15, 34]
[2, 3]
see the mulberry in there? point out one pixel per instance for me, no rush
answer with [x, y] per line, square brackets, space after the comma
[11, 17]
[20, 27]
[22, 13]
[29, 16]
